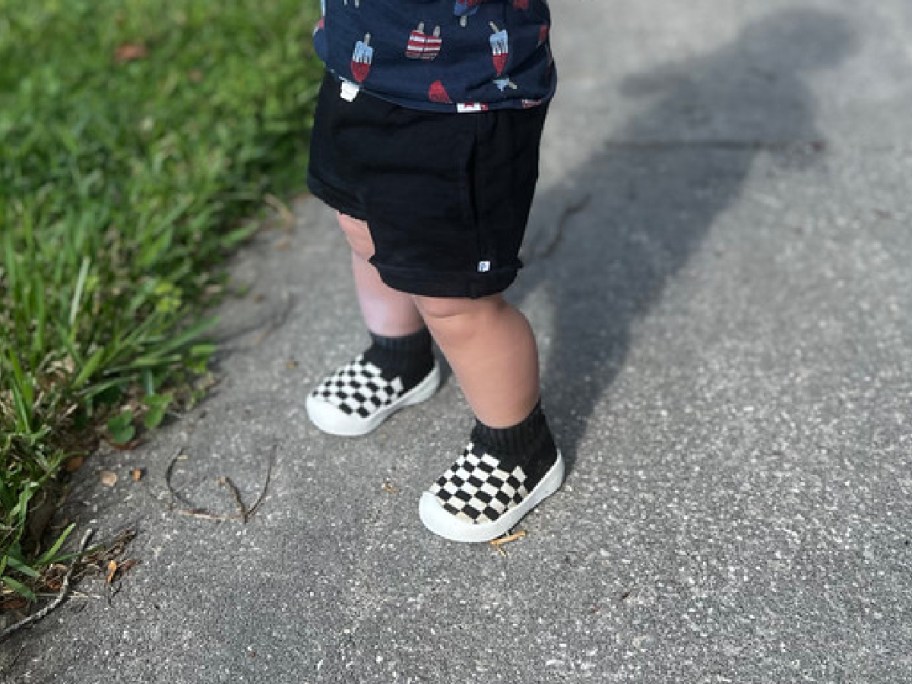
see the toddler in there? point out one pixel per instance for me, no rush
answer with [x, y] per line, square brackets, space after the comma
[426, 143]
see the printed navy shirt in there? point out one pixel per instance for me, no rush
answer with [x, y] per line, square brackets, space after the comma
[440, 55]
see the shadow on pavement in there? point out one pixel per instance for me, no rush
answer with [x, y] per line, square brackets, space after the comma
[646, 199]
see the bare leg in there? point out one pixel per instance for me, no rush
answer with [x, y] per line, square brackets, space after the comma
[492, 350]
[386, 311]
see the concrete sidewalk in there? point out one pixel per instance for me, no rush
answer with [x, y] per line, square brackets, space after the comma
[719, 274]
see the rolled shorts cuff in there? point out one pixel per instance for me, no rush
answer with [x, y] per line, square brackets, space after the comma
[428, 283]
[335, 200]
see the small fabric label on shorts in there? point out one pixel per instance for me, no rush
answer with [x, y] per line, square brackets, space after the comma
[349, 91]
[484, 266]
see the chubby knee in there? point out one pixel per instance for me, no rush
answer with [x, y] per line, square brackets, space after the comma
[358, 235]
[443, 310]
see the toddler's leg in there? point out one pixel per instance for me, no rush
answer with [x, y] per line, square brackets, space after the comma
[511, 463]
[492, 350]
[386, 311]
[397, 370]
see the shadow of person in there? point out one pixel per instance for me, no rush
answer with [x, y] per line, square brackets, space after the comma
[639, 208]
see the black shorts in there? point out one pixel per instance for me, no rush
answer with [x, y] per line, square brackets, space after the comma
[446, 196]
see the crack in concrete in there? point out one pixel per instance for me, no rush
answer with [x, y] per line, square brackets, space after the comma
[570, 210]
[274, 319]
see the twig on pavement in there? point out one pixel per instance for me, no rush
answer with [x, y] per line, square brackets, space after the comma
[269, 467]
[500, 541]
[244, 514]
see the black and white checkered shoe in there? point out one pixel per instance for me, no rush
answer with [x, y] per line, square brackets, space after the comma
[478, 498]
[357, 398]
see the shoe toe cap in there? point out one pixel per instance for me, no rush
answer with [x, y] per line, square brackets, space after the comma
[439, 521]
[330, 418]
[319, 407]
[434, 517]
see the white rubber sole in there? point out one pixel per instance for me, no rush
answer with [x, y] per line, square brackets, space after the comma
[330, 419]
[448, 526]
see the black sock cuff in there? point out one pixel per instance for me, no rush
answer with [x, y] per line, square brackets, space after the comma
[410, 357]
[416, 342]
[528, 444]
[518, 440]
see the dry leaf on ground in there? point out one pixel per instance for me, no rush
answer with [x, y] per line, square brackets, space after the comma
[53, 576]
[16, 603]
[74, 464]
[129, 52]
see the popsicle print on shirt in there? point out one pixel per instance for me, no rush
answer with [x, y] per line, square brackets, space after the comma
[500, 48]
[424, 46]
[362, 58]
[437, 92]
[465, 9]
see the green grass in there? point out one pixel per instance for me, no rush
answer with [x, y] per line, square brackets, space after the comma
[124, 179]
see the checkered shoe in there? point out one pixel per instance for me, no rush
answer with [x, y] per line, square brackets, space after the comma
[357, 398]
[477, 500]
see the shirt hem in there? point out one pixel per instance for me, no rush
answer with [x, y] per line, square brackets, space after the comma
[452, 107]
